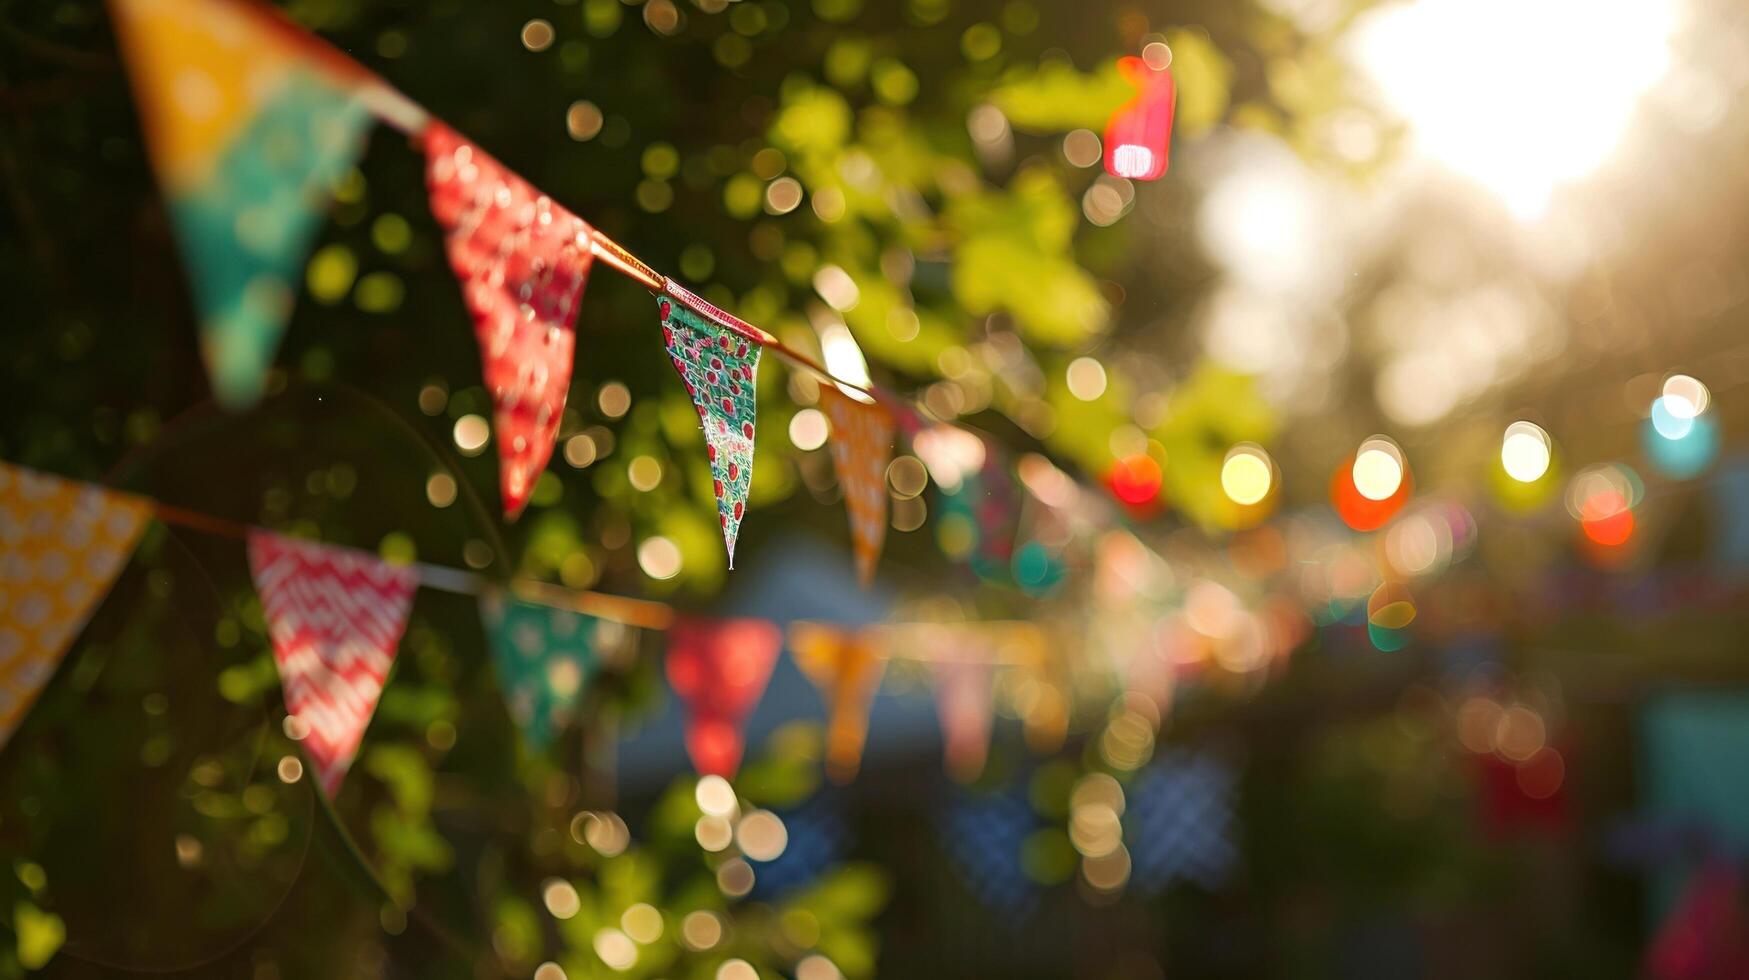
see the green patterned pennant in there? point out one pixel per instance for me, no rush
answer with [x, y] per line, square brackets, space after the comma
[718, 363]
[544, 656]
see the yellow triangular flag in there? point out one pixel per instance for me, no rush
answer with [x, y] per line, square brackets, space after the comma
[61, 545]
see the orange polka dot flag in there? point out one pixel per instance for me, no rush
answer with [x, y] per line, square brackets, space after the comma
[720, 669]
[248, 124]
[522, 261]
[846, 665]
[61, 545]
[717, 356]
[335, 616]
[862, 448]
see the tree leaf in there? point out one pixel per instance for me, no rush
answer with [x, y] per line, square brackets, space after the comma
[1054, 97]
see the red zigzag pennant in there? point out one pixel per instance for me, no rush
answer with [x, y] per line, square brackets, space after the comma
[336, 616]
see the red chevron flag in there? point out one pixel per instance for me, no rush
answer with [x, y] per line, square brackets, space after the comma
[336, 616]
[522, 261]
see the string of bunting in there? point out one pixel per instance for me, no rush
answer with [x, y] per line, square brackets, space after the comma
[335, 618]
[249, 119]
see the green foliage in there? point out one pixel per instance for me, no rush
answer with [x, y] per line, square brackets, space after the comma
[40, 935]
[1208, 414]
[1204, 77]
[1054, 97]
[1014, 256]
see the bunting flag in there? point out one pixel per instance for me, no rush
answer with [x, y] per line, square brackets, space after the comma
[846, 667]
[817, 840]
[962, 702]
[522, 261]
[544, 657]
[1179, 823]
[718, 360]
[984, 834]
[248, 123]
[1138, 136]
[61, 545]
[862, 447]
[720, 668]
[335, 616]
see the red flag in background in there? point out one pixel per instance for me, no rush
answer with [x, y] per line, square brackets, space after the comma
[522, 261]
[336, 616]
[720, 668]
[1138, 137]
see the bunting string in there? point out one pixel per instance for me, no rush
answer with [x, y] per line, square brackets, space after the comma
[1011, 640]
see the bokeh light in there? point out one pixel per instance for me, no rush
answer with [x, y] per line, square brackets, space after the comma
[1547, 110]
[1085, 378]
[1525, 451]
[1247, 474]
[1135, 479]
[1378, 469]
[1363, 513]
[659, 557]
[807, 429]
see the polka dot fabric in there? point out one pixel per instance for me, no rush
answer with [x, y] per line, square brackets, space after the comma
[61, 545]
[862, 447]
[544, 658]
[718, 366]
[522, 261]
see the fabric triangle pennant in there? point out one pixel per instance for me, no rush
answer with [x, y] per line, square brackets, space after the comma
[862, 448]
[846, 666]
[718, 363]
[61, 546]
[522, 261]
[545, 657]
[720, 669]
[336, 616]
[963, 693]
[248, 124]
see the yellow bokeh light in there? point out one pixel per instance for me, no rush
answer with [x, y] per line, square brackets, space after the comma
[560, 898]
[715, 796]
[762, 835]
[1378, 468]
[471, 433]
[807, 429]
[1247, 475]
[1525, 452]
[701, 930]
[659, 557]
[1685, 397]
[644, 472]
[616, 949]
[642, 922]
[1086, 378]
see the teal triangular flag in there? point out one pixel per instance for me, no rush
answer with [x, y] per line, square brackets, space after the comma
[246, 229]
[545, 657]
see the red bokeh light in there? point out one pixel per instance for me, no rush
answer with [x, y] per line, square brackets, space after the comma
[1360, 512]
[1608, 520]
[1135, 479]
